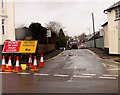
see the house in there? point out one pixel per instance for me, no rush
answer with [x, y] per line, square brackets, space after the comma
[21, 33]
[7, 30]
[105, 37]
[113, 40]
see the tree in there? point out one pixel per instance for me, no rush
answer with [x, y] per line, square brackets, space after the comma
[54, 26]
[62, 40]
[38, 32]
[82, 37]
[35, 30]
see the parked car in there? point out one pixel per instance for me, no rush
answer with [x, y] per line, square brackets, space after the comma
[61, 48]
[82, 45]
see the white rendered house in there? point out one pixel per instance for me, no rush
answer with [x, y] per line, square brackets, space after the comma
[7, 21]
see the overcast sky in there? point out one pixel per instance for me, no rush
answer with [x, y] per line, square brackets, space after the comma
[75, 15]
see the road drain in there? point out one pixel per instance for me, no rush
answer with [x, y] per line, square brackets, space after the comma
[81, 69]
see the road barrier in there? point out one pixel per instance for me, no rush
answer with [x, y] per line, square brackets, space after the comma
[41, 61]
[35, 66]
[29, 66]
[17, 66]
[10, 68]
[3, 67]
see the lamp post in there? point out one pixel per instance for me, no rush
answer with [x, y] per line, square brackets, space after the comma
[93, 30]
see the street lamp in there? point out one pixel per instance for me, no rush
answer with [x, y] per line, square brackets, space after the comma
[89, 31]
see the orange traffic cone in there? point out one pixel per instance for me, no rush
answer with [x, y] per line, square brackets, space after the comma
[41, 61]
[3, 64]
[17, 66]
[9, 69]
[30, 61]
[35, 67]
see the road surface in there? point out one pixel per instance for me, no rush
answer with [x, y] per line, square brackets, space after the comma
[74, 71]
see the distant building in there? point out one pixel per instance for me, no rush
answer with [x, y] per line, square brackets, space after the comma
[113, 13]
[7, 30]
[22, 33]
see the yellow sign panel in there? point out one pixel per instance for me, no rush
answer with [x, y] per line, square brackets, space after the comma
[28, 47]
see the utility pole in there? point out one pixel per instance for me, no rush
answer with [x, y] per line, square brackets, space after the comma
[93, 30]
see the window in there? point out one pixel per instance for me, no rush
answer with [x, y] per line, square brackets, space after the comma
[2, 3]
[117, 12]
[3, 26]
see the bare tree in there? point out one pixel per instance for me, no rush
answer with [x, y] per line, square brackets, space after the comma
[82, 37]
[54, 26]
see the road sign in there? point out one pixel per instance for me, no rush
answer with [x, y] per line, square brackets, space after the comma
[11, 47]
[48, 33]
[28, 47]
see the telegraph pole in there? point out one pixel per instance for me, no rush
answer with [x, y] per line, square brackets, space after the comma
[93, 30]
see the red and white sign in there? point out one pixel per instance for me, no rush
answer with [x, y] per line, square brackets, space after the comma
[11, 47]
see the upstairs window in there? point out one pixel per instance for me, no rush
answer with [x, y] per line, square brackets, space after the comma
[3, 26]
[2, 3]
[117, 13]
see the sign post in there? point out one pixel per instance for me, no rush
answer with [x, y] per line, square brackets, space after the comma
[48, 35]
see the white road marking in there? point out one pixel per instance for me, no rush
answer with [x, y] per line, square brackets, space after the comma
[5, 72]
[70, 79]
[113, 69]
[41, 74]
[75, 68]
[89, 74]
[110, 75]
[76, 76]
[24, 73]
[57, 75]
[113, 66]
[107, 77]
[104, 65]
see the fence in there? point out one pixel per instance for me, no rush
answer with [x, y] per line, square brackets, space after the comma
[45, 48]
[99, 43]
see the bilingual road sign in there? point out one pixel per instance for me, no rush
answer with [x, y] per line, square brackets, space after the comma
[11, 47]
[28, 47]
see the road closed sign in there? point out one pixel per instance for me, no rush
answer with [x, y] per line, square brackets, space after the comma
[28, 47]
[11, 47]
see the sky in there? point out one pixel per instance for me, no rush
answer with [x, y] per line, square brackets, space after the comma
[74, 15]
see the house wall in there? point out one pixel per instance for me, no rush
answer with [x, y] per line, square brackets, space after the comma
[113, 33]
[106, 42]
[119, 37]
[7, 13]
[42, 48]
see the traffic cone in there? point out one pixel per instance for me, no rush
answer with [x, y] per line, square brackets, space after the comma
[17, 66]
[30, 61]
[3, 67]
[35, 67]
[41, 61]
[9, 69]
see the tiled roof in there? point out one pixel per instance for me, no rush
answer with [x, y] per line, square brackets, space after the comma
[113, 6]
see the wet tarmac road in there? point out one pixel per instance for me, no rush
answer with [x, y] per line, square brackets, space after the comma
[74, 71]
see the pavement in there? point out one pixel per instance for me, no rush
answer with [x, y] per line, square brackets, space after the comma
[52, 54]
[105, 55]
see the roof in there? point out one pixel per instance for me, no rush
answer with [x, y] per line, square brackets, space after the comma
[113, 6]
[104, 24]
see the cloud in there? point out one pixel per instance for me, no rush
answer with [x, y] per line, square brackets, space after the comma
[75, 16]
